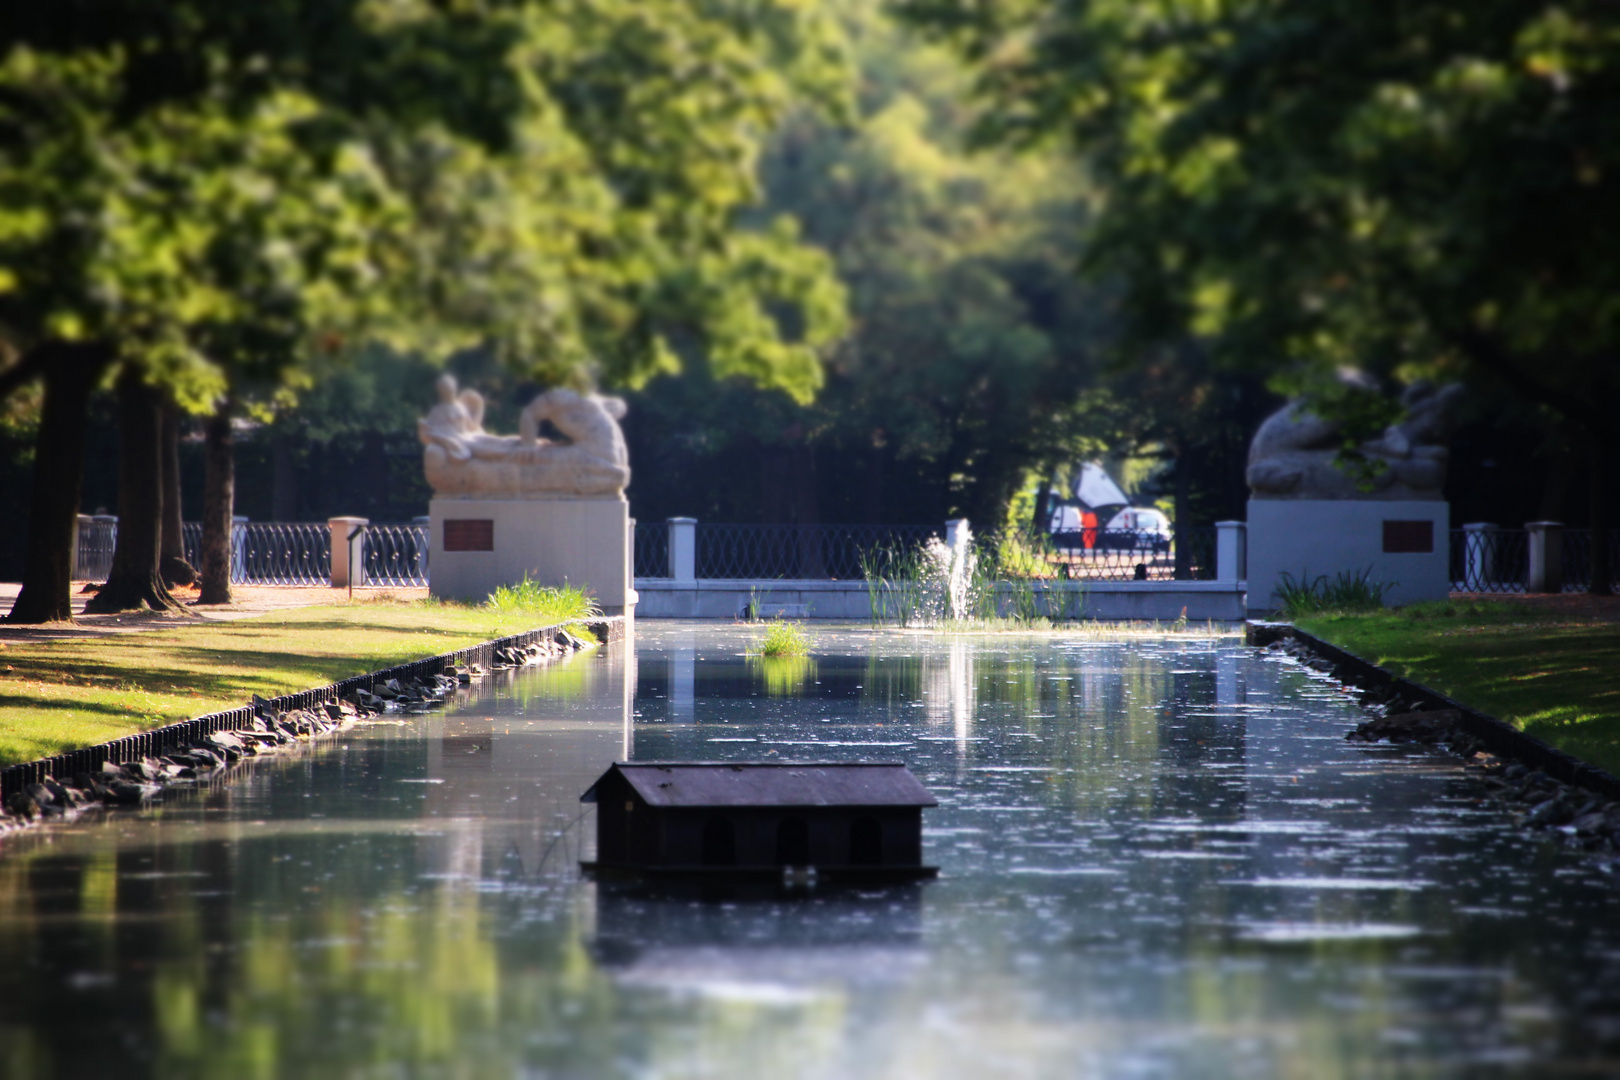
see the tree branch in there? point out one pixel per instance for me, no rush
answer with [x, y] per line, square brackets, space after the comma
[1490, 356]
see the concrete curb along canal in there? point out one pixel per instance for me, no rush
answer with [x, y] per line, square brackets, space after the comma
[1559, 791]
[130, 770]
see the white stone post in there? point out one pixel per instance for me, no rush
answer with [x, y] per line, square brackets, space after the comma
[348, 556]
[1479, 551]
[238, 549]
[683, 549]
[425, 523]
[81, 523]
[1231, 551]
[1546, 557]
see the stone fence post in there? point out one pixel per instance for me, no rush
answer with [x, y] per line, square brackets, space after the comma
[81, 524]
[425, 523]
[683, 549]
[1546, 574]
[348, 556]
[1231, 551]
[1480, 560]
[238, 549]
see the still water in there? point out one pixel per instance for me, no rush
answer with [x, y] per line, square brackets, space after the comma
[1159, 858]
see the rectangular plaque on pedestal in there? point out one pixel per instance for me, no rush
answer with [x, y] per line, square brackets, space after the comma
[469, 534]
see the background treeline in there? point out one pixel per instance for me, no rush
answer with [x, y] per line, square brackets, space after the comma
[1043, 240]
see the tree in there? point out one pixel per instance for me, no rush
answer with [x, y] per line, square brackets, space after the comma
[1410, 188]
[973, 353]
[251, 186]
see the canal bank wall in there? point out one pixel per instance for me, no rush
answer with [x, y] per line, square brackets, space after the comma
[1102, 601]
[151, 744]
[1490, 733]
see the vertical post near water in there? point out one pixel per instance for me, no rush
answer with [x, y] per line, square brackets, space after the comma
[1231, 551]
[1546, 573]
[683, 549]
[348, 555]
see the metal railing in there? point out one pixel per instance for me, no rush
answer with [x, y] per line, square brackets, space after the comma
[1187, 554]
[98, 537]
[281, 553]
[797, 552]
[1578, 560]
[1498, 560]
[396, 554]
[1489, 560]
[651, 555]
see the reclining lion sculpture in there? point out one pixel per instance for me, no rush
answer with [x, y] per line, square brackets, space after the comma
[462, 460]
[1293, 454]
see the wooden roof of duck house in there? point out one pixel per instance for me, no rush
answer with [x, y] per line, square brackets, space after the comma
[791, 820]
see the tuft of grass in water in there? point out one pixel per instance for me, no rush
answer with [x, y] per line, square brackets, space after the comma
[1350, 592]
[530, 599]
[783, 638]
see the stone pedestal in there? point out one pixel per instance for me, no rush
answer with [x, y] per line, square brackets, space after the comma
[480, 544]
[1405, 542]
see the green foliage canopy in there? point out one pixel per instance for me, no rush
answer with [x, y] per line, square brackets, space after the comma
[211, 186]
[1404, 187]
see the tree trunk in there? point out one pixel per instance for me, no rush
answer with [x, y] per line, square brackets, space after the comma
[135, 582]
[1042, 516]
[1602, 582]
[173, 565]
[219, 503]
[47, 590]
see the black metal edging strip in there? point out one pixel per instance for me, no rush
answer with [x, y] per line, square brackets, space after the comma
[151, 743]
[1496, 735]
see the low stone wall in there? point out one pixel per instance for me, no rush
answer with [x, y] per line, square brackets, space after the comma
[1109, 601]
[1487, 731]
[153, 743]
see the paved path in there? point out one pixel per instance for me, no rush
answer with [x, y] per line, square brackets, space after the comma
[248, 601]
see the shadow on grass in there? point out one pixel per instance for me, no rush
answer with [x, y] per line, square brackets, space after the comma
[1555, 678]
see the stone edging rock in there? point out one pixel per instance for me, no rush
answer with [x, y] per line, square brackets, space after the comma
[130, 770]
[1556, 789]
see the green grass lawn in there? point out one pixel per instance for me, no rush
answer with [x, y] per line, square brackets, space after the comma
[1552, 670]
[65, 694]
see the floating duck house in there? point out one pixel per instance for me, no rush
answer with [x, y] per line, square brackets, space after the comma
[847, 820]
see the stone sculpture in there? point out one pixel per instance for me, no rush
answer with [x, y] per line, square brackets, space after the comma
[1293, 454]
[462, 460]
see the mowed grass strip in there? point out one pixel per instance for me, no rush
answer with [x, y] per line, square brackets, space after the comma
[66, 694]
[1551, 673]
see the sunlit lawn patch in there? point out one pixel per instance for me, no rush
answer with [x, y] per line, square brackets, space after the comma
[59, 695]
[1551, 673]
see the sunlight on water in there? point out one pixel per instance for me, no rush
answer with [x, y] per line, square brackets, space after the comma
[1159, 858]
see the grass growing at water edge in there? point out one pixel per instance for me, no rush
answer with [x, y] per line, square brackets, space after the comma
[1349, 592]
[559, 603]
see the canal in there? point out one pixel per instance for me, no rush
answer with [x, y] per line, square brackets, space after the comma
[1159, 858]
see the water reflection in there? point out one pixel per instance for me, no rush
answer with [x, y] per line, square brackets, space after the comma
[1159, 858]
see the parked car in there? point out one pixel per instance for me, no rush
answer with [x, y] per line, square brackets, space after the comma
[1136, 529]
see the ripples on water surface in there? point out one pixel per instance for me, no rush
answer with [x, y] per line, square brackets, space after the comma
[1159, 858]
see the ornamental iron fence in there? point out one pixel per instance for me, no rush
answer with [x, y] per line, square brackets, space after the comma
[1578, 560]
[396, 554]
[281, 553]
[1489, 560]
[798, 552]
[651, 555]
[1133, 554]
